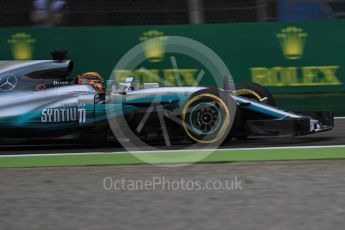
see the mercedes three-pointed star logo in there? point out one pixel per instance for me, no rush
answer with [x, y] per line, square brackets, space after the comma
[8, 82]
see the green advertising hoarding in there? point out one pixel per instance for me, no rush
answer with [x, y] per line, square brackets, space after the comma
[294, 60]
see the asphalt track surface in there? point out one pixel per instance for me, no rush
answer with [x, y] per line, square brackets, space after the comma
[273, 195]
[333, 137]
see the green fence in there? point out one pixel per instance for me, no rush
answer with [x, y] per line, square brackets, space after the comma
[301, 63]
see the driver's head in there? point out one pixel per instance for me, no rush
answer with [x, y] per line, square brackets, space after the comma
[91, 78]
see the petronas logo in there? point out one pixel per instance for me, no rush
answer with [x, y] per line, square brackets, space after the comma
[292, 41]
[154, 49]
[22, 46]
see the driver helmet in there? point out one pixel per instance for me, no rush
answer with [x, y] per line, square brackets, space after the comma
[91, 78]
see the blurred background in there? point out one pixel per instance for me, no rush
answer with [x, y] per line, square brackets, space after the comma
[294, 47]
[152, 12]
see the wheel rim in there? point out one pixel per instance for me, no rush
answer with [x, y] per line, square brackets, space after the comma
[205, 118]
[194, 126]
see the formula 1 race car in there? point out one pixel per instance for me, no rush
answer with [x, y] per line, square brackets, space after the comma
[38, 102]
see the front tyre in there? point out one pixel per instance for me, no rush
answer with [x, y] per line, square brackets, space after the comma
[207, 116]
[255, 91]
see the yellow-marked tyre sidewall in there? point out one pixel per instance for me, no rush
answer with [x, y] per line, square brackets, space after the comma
[223, 130]
[242, 92]
[255, 91]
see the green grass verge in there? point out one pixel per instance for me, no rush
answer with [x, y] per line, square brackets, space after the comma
[172, 157]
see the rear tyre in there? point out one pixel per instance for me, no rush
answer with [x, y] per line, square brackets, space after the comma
[255, 91]
[208, 116]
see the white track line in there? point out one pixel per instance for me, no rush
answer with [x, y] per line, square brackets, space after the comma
[171, 151]
[339, 118]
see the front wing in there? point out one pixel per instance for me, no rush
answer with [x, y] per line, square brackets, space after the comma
[309, 123]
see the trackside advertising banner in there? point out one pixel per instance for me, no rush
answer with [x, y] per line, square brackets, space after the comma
[291, 59]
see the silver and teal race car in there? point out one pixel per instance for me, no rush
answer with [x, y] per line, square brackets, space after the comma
[38, 102]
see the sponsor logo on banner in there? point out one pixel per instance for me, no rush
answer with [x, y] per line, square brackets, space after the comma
[22, 46]
[292, 41]
[155, 53]
[155, 50]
